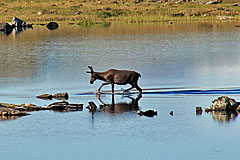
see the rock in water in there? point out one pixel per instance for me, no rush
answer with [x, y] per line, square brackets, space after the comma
[45, 96]
[61, 96]
[199, 110]
[224, 103]
[65, 106]
[5, 27]
[148, 113]
[11, 112]
[92, 106]
[16, 22]
[52, 25]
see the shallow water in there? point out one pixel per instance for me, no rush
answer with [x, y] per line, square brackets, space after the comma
[183, 66]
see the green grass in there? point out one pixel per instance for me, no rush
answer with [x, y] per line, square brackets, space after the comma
[129, 11]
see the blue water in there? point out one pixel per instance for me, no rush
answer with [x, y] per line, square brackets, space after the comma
[183, 66]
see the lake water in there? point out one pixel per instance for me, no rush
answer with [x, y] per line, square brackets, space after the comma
[183, 65]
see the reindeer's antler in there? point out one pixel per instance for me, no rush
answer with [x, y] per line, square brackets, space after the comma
[91, 68]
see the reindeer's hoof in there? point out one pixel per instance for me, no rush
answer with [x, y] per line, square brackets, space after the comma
[97, 93]
[139, 95]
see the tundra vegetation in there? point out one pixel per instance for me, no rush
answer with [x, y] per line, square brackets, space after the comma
[124, 11]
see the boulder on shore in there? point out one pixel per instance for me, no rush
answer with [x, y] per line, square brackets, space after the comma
[235, 4]
[214, 2]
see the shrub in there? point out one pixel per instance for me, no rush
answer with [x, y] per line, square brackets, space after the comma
[104, 14]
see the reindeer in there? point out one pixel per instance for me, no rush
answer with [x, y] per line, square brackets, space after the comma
[119, 77]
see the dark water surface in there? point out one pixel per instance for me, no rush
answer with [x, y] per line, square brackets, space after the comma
[183, 66]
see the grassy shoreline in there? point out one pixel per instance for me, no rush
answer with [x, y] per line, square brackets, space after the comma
[124, 11]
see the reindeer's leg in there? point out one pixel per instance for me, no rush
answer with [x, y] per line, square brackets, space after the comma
[106, 83]
[112, 87]
[128, 89]
[138, 88]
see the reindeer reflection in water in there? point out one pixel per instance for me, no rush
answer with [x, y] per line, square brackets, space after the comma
[115, 107]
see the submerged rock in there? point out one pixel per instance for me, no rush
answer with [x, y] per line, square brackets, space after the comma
[65, 106]
[31, 107]
[28, 107]
[4, 111]
[13, 111]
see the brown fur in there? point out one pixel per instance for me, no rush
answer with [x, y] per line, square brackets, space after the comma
[114, 76]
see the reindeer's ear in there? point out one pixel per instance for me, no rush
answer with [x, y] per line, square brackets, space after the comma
[88, 72]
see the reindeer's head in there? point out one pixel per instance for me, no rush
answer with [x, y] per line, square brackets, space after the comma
[93, 74]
